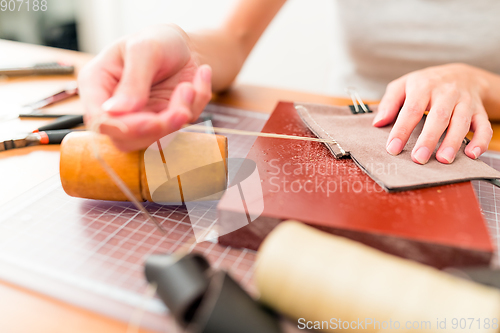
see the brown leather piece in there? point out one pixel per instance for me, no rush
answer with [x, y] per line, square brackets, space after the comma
[366, 144]
[439, 226]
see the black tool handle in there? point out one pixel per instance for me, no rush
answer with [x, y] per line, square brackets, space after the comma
[495, 182]
[42, 115]
[64, 122]
[54, 137]
[181, 282]
[205, 301]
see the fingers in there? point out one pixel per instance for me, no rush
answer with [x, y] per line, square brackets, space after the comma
[482, 135]
[179, 111]
[203, 89]
[391, 103]
[144, 128]
[131, 131]
[417, 99]
[141, 61]
[136, 130]
[97, 80]
[454, 95]
[436, 123]
[457, 130]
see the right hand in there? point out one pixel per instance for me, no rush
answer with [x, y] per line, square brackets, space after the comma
[150, 84]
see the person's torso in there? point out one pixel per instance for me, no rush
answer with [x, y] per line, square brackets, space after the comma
[386, 39]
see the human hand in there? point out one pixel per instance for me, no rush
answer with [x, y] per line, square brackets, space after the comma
[149, 84]
[453, 95]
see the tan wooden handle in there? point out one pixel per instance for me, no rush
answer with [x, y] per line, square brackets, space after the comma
[320, 278]
[82, 175]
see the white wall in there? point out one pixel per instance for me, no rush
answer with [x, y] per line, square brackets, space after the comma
[294, 53]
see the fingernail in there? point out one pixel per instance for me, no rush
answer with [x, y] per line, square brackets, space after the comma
[448, 154]
[179, 119]
[378, 117]
[395, 146]
[477, 152]
[206, 74]
[111, 104]
[422, 155]
[188, 95]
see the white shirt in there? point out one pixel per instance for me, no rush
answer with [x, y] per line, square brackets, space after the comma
[385, 39]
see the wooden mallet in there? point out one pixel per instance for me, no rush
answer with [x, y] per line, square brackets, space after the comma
[187, 167]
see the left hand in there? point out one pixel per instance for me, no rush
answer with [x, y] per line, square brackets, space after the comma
[453, 95]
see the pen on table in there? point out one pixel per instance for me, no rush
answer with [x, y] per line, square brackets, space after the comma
[33, 109]
[48, 68]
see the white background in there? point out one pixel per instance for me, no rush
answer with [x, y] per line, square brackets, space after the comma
[294, 53]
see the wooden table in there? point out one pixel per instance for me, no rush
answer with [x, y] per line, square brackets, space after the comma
[22, 310]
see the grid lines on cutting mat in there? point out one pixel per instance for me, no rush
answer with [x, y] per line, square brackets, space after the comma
[102, 245]
[108, 242]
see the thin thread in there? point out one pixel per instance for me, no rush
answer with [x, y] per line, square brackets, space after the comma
[260, 134]
[192, 241]
[112, 174]
[188, 246]
[328, 134]
[164, 161]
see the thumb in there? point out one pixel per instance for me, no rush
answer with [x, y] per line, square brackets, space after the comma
[133, 89]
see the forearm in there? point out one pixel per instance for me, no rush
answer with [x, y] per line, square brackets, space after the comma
[491, 97]
[222, 52]
[226, 49]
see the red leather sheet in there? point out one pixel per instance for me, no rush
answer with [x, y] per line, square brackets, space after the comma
[440, 226]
